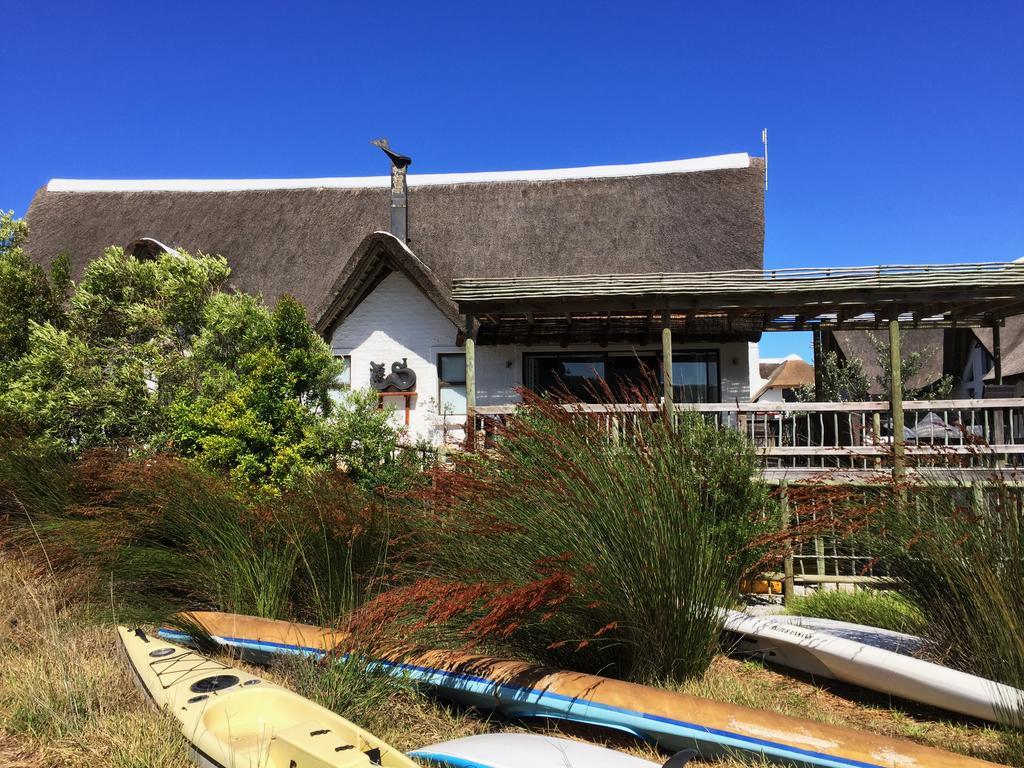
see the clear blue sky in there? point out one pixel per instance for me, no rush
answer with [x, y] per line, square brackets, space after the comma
[895, 128]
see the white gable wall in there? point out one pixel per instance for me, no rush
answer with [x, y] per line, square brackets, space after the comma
[397, 321]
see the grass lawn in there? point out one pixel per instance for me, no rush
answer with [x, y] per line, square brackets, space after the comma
[66, 698]
[875, 609]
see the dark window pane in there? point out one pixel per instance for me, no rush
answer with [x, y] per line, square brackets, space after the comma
[578, 376]
[695, 377]
[452, 368]
[629, 375]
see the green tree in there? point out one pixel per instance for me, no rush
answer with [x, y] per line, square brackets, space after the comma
[95, 374]
[842, 381]
[27, 294]
[154, 354]
[910, 366]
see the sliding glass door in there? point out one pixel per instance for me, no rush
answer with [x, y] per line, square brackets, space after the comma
[584, 375]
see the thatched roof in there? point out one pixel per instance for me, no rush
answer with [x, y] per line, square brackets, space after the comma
[380, 254]
[298, 236]
[1011, 341]
[860, 345]
[792, 373]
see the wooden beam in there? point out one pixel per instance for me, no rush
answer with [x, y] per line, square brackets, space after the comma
[816, 338]
[787, 562]
[859, 299]
[896, 400]
[666, 363]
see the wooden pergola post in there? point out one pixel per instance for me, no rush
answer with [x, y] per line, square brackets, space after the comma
[787, 561]
[999, 417]
[666, 363]
[816, 351]
[997, 354]
[470, 383]
[899, 448]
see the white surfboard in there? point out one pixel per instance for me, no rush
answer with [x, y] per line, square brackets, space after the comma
[524, 750]
[831, 656]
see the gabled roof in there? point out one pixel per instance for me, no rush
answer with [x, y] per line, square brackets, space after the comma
[860, 345]
[297, 236]
[380, 254]
[791, 373]
[1011, 342]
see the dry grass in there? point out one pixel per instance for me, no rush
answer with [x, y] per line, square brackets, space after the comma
[67, 701]
[65, 696]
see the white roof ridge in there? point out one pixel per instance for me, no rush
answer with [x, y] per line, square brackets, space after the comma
[692, 165]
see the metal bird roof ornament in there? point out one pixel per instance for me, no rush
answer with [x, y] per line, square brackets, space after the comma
[400, 161]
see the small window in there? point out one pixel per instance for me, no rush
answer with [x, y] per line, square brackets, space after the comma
[343, 383]
[451, 384]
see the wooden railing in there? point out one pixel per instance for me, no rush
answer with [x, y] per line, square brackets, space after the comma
[798, 440]
[832, 556]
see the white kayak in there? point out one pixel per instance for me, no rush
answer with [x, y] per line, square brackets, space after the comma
[527, 750]
[890, 640]
[828, 655]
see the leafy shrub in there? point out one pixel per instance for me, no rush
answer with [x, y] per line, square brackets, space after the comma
[590, 554]
[370, 448]
[887, 610]
[261, 418]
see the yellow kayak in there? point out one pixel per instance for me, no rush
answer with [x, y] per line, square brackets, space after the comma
[236, 720]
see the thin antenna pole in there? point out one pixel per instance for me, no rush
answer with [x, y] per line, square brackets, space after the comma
[764, 140]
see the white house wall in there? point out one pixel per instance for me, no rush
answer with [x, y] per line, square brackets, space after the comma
[397, 321]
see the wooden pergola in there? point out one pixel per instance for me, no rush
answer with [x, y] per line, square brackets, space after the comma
[739, 304]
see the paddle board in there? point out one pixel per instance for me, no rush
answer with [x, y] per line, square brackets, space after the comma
[672, 720]
[232, 719]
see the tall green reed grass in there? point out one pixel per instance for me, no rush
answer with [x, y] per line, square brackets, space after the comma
[955, 548]
[599, 554]
[958, 553]
[162, 535]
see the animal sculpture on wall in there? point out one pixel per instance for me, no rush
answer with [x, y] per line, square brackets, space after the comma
[401, 379]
